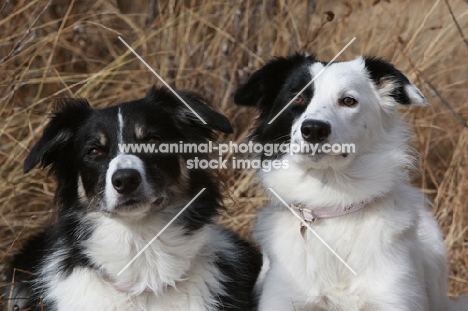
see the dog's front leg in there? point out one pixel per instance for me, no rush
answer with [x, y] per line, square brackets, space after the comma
[400, 288]
[279, 292]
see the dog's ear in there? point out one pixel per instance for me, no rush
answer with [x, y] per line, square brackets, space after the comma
[57, 135]
[214, 119]
[265, 83]
[251, 92]
[392, 84]
[180, 109]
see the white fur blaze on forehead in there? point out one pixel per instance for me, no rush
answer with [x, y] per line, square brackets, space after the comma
[415, 95]
[120, 118]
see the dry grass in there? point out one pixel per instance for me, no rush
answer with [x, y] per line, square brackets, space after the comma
[70, 48]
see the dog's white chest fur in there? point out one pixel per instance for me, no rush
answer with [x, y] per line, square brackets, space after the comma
[173, 273]
[390, 254]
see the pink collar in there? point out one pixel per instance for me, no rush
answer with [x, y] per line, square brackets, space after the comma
[311, 216]
[308, 216]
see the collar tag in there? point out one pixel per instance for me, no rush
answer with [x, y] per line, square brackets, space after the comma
[308, 217]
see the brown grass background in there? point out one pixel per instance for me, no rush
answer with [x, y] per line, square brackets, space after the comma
[59, 48]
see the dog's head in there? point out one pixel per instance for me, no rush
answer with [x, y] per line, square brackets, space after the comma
[346, 112]
[85, 148]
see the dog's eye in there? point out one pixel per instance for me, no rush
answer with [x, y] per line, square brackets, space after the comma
[299, 100]
[348, 101]
[154, 140]
[95, 152]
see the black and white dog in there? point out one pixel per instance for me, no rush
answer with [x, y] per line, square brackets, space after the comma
[360, 203]
[111, 204]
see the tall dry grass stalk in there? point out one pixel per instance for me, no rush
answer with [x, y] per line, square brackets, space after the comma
[50, 49]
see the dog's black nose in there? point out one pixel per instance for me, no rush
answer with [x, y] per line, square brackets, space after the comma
[125, 181]
[314, 131]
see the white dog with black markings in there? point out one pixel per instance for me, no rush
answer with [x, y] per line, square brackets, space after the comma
[360, 203]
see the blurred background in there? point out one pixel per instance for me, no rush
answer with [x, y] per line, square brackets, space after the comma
[51, 49]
